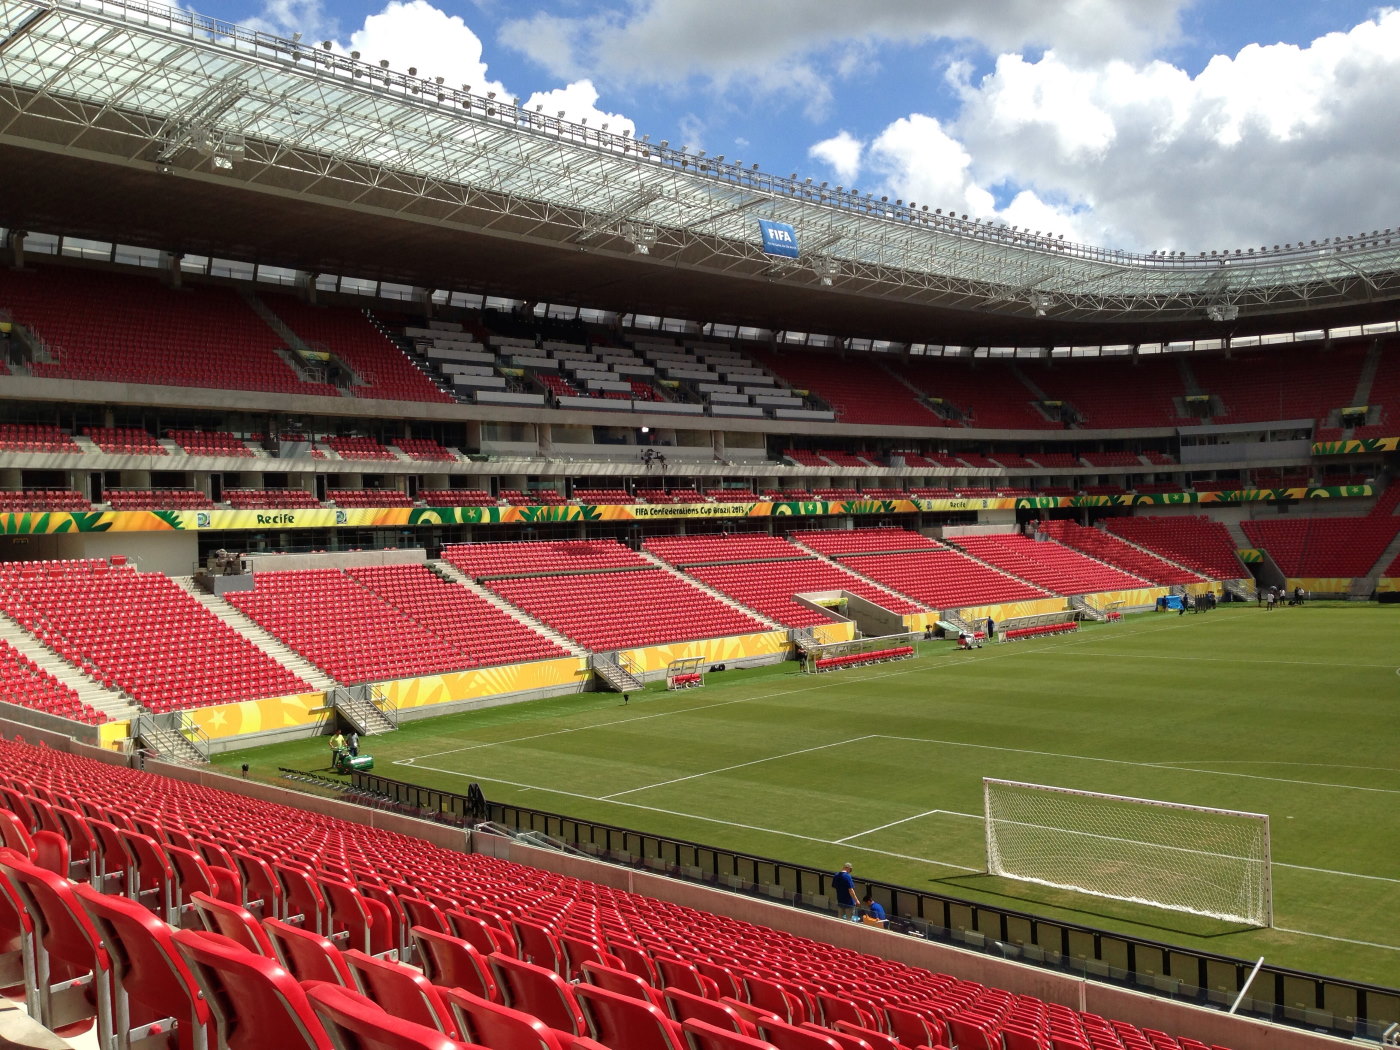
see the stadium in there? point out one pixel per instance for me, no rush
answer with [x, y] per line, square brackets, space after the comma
[649, 536]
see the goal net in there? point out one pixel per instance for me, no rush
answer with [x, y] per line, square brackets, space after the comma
[1194, 859]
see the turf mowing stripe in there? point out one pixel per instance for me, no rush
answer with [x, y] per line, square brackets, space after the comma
[741, 765]
[1171, 767]
[697, 816]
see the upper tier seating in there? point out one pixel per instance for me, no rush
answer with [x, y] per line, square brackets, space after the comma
[355, 635]
[976, 459]
[458, 616]
[357, 448]
[943, 578]
[1055, 459]
[424, 449]
[1120, 458]
[134, 329]
[157, 499]
[1161, 459]
[1280, 382]
[1113, 393]
[25, 683]
[30, 437]
[863, 541]
[1047, 564]
[992, 396]
[836, 495]
[769, 586]
[673, 496]
[1323, 547]
[368, 498]
[124, 440]
[142, 633]
[536, 558]
[383, 370]
[269, 499]
[346, 868]
[865, 394]
[209, 443]
[1013, 461]
[850, 459]
[876, 493]
[788, 495]
[1195, 541]
[804, 458]
[42, 499]
[712, 549]
[457, 498]
[1115, 551]
[604, 497]
[643, 607]
[1385, 392]
[733, 495]
[533, 498]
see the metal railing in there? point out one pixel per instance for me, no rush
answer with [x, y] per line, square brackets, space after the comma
[1277, 993]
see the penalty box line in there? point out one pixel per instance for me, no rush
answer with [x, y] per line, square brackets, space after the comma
[724, 822]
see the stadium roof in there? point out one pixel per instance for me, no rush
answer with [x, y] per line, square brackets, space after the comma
[148, 125]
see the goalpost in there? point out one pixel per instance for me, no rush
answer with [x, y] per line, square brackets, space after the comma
[1195, 859]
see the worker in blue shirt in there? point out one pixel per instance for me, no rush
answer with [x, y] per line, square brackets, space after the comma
[845, 886]
[874, 910]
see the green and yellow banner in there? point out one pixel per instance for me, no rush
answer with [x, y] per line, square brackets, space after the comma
[42, 523]
[1351, 446]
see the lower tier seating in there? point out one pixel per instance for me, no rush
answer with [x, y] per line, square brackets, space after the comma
[355, 635]
[620, 610]
[1048, 564]
[720, 547]
[863, 541]
[769, 587]
[25, 683]
[142, 633]
[943, 578]
[1195, 541]
[1111, 549]
[540, 960]
[505, 559]
[1323, 547]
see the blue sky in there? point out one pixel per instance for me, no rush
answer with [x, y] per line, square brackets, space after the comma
[1136, 124]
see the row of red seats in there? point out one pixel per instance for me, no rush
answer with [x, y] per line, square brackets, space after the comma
[862, 541]
[1047, 564]
[1108, 548]
[1045, 628]
[877, 656]
[942, 578]
[211, 442]
[285, 884]
[769, 587]
[534, 557]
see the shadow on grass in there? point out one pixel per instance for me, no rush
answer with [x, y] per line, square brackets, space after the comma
[1074, 904]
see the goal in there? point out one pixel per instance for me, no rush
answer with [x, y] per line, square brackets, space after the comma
[1194, 859]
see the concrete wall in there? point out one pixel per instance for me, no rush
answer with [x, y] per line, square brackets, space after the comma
[172, 553]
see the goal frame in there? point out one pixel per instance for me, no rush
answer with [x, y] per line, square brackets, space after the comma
[1263, 917]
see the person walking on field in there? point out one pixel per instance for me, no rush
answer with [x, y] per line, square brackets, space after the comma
[845, 886]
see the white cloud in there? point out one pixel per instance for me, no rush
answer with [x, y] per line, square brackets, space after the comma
[579, 102]
[842, 153]
[664, 41]
[1273, 145]
[417, 34]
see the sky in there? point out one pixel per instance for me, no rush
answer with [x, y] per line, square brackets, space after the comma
[1140, 125]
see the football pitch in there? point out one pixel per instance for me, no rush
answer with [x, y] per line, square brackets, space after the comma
[1294, 713]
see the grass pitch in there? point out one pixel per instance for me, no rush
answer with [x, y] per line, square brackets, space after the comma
[1294, 713]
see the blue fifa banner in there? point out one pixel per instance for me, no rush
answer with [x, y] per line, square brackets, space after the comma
[779, 238]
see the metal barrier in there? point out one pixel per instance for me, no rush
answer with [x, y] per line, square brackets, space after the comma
[1287, 996]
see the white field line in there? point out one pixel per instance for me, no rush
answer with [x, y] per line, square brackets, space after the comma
[1003, 651]
[740, 765]
[700, 817]
[905, 820]
[1183, 658]
[1343, 940]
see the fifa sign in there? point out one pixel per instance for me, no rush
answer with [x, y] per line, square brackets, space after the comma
[779, 238]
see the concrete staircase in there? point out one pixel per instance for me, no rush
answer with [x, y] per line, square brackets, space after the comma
[111, 702]
[275, 648]
[455, 575]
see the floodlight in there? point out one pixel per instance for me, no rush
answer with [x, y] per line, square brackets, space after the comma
[222, 163]
[326, 45]
[354, 54]
[413, 71]
[383, 63]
